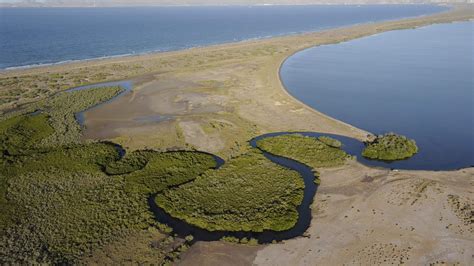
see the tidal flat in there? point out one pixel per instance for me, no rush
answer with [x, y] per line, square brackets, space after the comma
[220, 97]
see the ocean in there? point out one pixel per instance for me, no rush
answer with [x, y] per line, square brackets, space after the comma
[36, 36]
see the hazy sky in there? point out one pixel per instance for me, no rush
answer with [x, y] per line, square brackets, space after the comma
[203, 2]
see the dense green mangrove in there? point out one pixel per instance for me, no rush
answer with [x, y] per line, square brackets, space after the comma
[314, 152]
[150, 172]
[390, 147]
[61, 199]
[249, 193]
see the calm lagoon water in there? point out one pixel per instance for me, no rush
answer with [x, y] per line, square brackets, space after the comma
[419, 83]
[31, 36]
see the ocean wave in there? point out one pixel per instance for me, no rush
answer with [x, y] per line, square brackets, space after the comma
[70, 61]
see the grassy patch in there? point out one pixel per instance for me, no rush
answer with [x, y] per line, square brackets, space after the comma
[19, 137]
[249, 193]
[65, 205]
[390, 147]
[67, 214]
[308, 150]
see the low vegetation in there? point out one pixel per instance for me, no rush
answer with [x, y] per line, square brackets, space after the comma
[61, 110]
[61, 199]
[314, 152]
[249, 193]
[390, 147]
[20, 135]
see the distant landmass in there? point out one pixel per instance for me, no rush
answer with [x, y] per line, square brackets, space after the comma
[110, 3]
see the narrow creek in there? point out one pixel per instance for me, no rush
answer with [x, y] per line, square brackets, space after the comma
[126, 85]
[182, 229]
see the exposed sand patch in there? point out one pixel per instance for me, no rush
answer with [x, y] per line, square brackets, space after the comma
[195, 135]
[366, 216]
[369, 216]
[218, 254]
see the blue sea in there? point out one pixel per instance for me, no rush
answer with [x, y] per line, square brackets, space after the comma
[416, 82]
[35, 36]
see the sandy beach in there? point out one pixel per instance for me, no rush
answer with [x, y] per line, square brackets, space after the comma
[216, 98]
[211, 98]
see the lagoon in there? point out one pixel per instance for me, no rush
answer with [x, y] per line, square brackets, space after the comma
[417, 82]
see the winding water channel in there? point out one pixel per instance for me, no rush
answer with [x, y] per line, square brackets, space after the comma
[183, 229]
[349, 145]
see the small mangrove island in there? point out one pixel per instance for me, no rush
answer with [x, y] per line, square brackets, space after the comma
[390, 147]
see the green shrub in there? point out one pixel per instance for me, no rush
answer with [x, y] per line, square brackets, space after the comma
[330, 141]
[230, 239]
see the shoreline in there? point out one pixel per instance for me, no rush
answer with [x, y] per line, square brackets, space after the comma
[449, 7]
[229, 5]
[288, 94]
[221, 95]
[131, 56]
